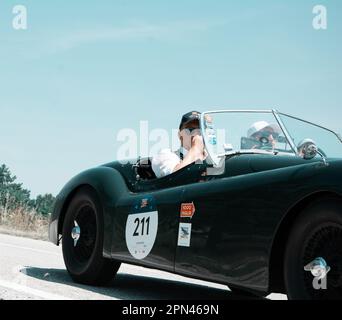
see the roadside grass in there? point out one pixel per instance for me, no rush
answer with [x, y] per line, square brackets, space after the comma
[24, 223]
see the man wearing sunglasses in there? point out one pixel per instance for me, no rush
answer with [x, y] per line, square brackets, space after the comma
[191, 150]
[264, 134]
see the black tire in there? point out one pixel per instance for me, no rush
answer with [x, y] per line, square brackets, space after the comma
[317, 233]
[84, 260]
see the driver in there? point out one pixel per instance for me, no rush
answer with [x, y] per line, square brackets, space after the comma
[264, 134]
[191, 150]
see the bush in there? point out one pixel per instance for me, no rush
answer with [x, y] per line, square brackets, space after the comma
[18, 212]
[24, 220]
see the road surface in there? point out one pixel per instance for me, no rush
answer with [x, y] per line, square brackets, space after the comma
[34, 270]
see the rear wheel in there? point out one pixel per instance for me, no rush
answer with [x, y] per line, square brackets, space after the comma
[313, 257]
[82, 242]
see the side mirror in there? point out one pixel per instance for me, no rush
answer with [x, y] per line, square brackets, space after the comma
[307, 149]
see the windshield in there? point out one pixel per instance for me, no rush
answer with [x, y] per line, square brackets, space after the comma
[327, 141]
[269, 132]
[227, 132]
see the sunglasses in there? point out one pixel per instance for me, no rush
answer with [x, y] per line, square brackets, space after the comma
[190, 131]
[267, 133]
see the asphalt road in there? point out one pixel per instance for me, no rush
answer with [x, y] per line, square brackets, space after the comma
[34, 270]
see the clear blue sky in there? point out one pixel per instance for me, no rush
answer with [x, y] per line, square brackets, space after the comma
[83, 70]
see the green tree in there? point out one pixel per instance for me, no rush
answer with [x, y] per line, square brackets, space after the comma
[6, 176]
[6, 179]
[12, 194]
[44, 204]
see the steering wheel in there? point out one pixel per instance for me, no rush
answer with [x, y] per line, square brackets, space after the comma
[265, 144]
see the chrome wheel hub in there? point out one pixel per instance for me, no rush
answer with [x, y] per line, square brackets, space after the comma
[76, 233]
[318, 268]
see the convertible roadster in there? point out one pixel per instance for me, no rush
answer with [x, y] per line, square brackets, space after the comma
[262, 213]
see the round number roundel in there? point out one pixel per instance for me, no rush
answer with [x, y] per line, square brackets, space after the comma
[141, 232]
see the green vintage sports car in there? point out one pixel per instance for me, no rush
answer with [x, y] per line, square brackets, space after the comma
[262, 214]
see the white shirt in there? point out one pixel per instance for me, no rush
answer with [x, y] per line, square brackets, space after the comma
[165, 162]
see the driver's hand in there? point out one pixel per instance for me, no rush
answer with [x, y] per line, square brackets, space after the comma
[198, 146]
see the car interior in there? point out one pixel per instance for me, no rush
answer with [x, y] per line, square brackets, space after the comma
[146, 180]
[144, 169]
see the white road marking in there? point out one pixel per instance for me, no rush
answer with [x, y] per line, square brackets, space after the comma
[30, 249]
[31, 291]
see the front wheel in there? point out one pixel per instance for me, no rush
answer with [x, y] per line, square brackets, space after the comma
[82, 241]
[313, 256]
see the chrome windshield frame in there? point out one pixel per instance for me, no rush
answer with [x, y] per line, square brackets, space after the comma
[205, 140]
[283, 128]
[277, 116]
[338, 136]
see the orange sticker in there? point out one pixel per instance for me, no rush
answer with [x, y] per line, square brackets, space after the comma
[187, 210]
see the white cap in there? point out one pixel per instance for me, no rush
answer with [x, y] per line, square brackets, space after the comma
[260, 125]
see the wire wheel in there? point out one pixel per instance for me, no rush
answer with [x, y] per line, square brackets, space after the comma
[82, 240]
[325, 242]
[84, 233]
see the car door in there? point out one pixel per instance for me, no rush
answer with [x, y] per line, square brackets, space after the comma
[146, 221]
[200, 231]
[224, 226]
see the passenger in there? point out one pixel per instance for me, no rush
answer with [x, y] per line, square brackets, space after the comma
[264, 134]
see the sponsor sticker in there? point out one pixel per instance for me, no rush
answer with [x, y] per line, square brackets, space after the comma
[187, 210]
[184, 235]
[144, 203]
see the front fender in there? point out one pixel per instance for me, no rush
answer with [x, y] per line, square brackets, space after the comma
[109, 186]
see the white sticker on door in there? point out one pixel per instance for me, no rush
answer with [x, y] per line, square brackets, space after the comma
[141, 233]
[184, 235]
